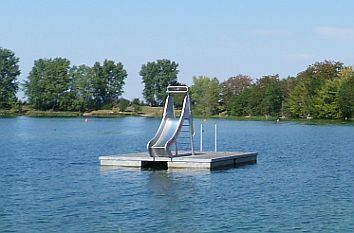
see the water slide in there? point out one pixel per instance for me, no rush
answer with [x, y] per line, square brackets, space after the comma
[170, 126]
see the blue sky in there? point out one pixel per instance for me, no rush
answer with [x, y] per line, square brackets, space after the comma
[215, 38]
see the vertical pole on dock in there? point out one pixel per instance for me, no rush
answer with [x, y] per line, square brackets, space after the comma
[201, 137]
[216, 138]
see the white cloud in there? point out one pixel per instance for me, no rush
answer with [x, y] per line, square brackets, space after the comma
[335, 32]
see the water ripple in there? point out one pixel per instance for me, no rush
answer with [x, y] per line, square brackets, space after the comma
[51, 181]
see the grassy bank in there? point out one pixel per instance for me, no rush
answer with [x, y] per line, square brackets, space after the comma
[8, 113]
[35, 113]
[287, 119]
[147, 111]
[243, 118]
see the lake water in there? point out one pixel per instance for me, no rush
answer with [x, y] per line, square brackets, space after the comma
[51, 181]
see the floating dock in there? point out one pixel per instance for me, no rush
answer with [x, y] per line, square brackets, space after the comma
[205, 160]
[160, 148]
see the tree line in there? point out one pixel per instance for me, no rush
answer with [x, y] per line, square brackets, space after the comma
[324, 90]
[53, 84]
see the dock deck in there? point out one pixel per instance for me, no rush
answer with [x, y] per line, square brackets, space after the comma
[207, 160]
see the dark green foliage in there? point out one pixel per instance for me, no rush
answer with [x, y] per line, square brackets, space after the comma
[302, 98]
[9, 71]
[286, 85]
[239, 105]
[298, 101]
[107, 82]
[326, 100]
[261, 98]
[53, 85]
[123, 104]
[137, 101]
[272, 97]
[323, 90]
[205, 95]
[234, 86]
[178, 98]
[346, 95]
[156, 78]
[48, 85]
[136, 104]
[82, 87]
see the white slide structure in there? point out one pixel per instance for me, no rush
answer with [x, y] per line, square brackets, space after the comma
[166, 136]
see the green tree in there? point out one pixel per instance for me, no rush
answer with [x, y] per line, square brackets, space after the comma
[234, 86]
[261, 98]
[326, 100]
[346, 94]
[82, 88]
[309, 82]
[137, 101]
[239, 105]
[205, 94]
[298, 101]
[9, 71]
[98, 85]
[114, 75]
[286, 86]
[107, 82]
[272, 97]
[157, 76]
[123, 104]
[136, 104]
[48, 84]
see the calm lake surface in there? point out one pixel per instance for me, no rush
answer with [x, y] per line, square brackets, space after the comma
[51, 181]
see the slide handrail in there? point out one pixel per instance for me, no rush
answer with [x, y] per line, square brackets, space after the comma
[170, 126]
[180, 122]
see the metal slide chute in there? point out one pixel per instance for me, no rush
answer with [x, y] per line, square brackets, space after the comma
[170, 127]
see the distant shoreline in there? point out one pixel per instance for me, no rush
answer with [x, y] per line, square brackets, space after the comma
[156, 112]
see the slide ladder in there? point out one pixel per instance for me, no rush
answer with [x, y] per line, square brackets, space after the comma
[173, 128]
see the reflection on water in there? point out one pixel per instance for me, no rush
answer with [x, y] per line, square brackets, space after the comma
[182, 171]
